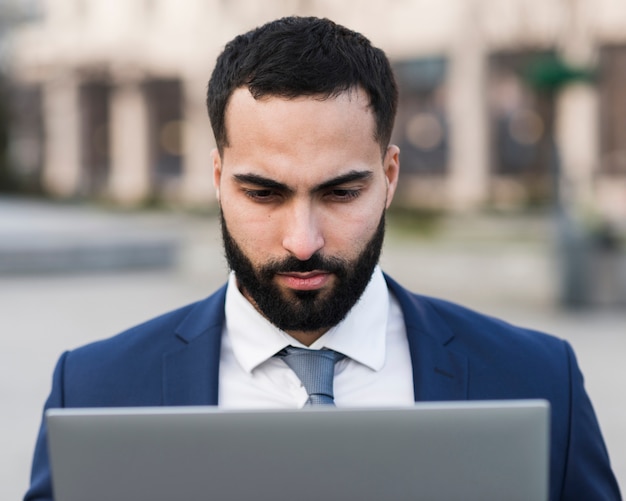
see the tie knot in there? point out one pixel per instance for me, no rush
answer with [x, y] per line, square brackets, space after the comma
[316, 370]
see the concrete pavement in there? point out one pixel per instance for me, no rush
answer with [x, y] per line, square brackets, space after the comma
[512, 276]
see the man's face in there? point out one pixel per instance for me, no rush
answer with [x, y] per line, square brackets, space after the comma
[303, 188]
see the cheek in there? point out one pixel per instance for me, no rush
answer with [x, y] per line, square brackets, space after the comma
[254, 232]
[348, 235]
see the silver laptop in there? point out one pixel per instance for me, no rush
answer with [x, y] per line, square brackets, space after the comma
[432, 451]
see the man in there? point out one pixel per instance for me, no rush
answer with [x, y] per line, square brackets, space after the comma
[302, 111]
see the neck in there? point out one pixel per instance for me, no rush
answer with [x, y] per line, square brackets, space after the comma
[307, 338]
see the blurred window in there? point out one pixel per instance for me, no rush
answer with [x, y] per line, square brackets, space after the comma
[421, 129]
[166, 122]
[26, 138]
[95, 154]
[521, 124]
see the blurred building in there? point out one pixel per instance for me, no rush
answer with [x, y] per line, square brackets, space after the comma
[110, 96]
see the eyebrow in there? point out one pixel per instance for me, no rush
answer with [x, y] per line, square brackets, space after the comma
[268, 183]
[349, 177]
[261, 181]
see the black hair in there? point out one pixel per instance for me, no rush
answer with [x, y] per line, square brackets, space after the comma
[303, 56]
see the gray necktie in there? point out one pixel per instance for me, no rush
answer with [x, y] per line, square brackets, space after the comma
[316, 370]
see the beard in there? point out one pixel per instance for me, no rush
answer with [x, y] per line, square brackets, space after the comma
[305, 310]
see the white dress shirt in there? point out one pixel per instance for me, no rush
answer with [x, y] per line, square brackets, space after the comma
[375, 373]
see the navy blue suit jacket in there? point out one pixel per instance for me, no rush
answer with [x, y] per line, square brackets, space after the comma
[457, 354]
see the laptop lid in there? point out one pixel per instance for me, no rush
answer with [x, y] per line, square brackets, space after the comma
[432, 451]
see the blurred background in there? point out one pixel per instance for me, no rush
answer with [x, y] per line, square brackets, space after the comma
[512, 127]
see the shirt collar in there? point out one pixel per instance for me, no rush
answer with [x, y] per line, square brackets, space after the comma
[360, 336]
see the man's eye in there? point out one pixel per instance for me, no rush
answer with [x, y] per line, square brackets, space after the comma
[344, 194]
[260, 195]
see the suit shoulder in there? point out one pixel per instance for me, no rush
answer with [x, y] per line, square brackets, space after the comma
[504, 360]
[461, 326]
[154, 330]
[127, 369]
[154, 334]
[461, 317]
[471, 327]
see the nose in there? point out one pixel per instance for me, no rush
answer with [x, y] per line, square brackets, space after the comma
[302, 235]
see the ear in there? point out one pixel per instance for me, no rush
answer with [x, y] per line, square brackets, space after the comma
[391, 167]
[217, 171]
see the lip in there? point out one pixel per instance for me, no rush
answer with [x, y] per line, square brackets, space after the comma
[308, 281]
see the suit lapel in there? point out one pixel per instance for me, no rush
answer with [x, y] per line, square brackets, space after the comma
[439, 373]
[191, 371]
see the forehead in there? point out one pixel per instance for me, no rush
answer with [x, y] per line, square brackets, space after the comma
[244, 110]
[303, 135]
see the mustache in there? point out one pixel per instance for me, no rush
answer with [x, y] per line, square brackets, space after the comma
[292, 264]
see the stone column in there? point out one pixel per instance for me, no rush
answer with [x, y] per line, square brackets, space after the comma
[197, 182]
[577, 111]
[129, 182]
[578, 142]
[468, 178]
[62, 169]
